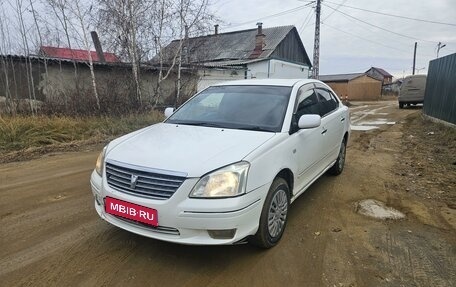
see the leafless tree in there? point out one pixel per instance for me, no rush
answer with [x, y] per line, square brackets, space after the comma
[81, 16]
[38, 30]
[193, 17]
[60, 11]
[123, 24]
[4, 47]
[20, 11]
[140, 29]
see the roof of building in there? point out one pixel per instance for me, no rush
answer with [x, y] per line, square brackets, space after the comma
[381, 71]
[340, 77]
[231, 46]
[76, 54]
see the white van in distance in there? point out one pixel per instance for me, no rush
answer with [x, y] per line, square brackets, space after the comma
[412, 91]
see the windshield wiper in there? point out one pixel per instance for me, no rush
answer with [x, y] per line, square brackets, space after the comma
[216, 125]
[255, 128]
[200, 124]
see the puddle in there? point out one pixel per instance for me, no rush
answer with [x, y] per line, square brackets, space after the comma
[377, 209]
[363, 128]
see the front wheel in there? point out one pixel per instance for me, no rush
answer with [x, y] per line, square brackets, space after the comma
[401, 105]
[274, 215]
[338, 166]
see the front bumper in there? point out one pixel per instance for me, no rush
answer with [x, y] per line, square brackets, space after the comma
[187, 220]
[418, 99]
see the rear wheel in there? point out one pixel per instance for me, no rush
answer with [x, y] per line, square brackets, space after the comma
[401, 105]
[338, 166]
[274, 215]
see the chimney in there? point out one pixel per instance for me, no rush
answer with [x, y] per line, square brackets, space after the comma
[97, 44]
[259, 42]
[216, 29]
[260, 28]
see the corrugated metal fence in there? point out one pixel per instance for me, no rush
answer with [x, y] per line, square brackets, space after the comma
[440, 95]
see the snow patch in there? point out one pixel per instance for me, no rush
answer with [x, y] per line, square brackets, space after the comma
[363, 128]
[377, 209]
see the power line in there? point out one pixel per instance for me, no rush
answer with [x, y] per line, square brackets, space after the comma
[365, 39]
[306, 21]
[378, 27]
[393, 15]
[337, 8]
[270, 16]
[375, 42]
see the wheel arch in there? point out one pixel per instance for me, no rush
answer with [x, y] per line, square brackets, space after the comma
[346, 137]
[288, 176]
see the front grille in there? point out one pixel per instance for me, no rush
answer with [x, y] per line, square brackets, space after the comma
[148, 184]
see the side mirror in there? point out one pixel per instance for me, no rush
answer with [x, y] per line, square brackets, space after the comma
[169, 112]
[309, 121]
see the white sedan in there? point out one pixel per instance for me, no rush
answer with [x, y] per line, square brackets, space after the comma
[224, 167]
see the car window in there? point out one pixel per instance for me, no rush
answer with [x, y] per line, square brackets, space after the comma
[307, 102]
[327, 102]
[336, 98]
[239, 107]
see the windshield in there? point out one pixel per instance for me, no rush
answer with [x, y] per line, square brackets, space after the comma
[259, 108]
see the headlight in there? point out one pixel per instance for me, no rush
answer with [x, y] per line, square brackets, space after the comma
[226, 182]
[100, 160]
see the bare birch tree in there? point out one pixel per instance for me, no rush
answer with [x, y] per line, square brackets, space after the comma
[59, 9]
[123, 24]
[140, 29]
[4, 43]
[193, 16]
[20, 11]
[81, 17]
[38, 30]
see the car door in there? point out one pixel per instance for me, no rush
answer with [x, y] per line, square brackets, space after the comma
[332, 123]
[306, 142]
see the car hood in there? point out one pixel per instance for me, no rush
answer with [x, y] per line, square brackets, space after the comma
[182, 148]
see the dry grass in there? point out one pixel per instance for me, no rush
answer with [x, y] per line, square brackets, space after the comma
[23, 132]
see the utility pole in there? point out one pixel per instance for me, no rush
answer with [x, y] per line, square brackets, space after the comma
[316, 54]
[439, 46]
[414, 59]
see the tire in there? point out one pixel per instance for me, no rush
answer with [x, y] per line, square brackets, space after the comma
[401, 105]
[274, 215]
[338, 166]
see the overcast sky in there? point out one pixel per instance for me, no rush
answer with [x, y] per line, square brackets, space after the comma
[348, 45]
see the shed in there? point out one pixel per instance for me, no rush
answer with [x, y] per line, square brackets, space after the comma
[358, 86]
[380, 74]
[275, 52]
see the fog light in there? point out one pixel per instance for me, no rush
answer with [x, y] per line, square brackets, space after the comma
[222, 234]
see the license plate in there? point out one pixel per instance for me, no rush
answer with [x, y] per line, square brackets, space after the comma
[131, 211]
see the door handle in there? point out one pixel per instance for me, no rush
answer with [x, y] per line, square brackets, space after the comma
[342, 119]
[324, 131]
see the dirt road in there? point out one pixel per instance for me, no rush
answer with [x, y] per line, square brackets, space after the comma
[50, 234]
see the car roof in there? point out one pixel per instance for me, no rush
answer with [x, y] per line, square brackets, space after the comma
[267, 82]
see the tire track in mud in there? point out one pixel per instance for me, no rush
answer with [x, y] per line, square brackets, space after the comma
[25, 257]
[414, 259]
